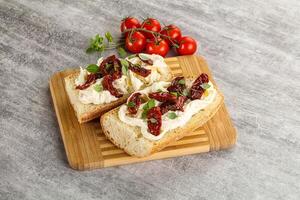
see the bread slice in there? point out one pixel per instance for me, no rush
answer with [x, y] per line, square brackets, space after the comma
[130, 139]
[87, 112]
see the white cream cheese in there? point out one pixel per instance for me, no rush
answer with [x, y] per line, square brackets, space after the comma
[90, 95]
[125, 84]
[190, 109]
[82, 77]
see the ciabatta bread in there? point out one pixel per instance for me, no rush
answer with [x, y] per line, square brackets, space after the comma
[131, 140]
[87, 112]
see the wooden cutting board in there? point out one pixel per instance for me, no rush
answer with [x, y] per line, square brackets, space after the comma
[87, 148]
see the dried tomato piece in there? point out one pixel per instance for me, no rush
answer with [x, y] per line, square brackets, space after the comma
[134, 103]
[197, 91]
[90, 79]
[110, 65]
[178, 105]
[107, 85]
[166, 106]
[139, 70]
[162, 96]
[147, 61]
[154, 120]
[204, 78]
[177, 85]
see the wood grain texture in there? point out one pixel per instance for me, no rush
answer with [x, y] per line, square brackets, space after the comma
[87, 147]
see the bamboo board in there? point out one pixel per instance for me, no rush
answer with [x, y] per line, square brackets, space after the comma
[87, 148]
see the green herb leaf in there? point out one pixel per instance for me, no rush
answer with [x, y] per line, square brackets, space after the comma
[151, 103]
[125, 66]
[96, 44]
[122, 53]
[159, 90]
[131, 104]
[98, 88]
[147, 106]
[185, 92]
[205, 86]
[172, 115]
[143, 57]
[181, 81]
[108, 37]
[144, 114]
[131, 56]
[174, 93]
[92, 68]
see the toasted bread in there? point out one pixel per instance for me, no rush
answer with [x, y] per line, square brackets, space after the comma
[131, 140]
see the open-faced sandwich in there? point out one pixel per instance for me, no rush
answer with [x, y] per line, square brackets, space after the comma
[99, 88]
[160, 114]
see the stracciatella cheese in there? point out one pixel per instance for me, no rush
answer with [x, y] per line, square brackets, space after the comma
[190, 109]
[125, 84]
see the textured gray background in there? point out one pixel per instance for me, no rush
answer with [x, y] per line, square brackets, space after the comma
[253, 48]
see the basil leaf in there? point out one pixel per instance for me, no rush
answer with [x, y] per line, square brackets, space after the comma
[98, 88]
[131, 56]
[144, 114]
[172, 115]
[181, 81]
[159, 90]
[131, 104]
[151, 103]
[143, 57]
[90, 50]
[145, 106]
[122, 53]
[174, 93]
[125, 66]
[108, 37]
[205, 86]
[92, 68]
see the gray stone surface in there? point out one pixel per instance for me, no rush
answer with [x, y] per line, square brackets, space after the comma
[253, 48]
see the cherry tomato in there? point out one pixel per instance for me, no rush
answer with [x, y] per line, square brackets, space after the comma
[159, 47]
[151, 24]
[173, 32]
[129, 22]
[187, 46]
[135, 42]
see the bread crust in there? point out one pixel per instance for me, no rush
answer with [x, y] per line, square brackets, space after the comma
[111, 118]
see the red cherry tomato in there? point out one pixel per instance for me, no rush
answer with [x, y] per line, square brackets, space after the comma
[151, 24]
[187, 46]
[135, 42]
[173, 32]
[129, 22]
[159, 47]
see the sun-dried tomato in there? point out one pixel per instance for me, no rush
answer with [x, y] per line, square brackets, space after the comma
[110, 65]
[139, 70]
[154, 120]
[107, 85]
[90, 79]
[163, 96]
[177, 85]
[204, 78]
[196, 90]
[134, 103]
[147, 61]
[180, 103]
[166, 106]
[177, 105]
